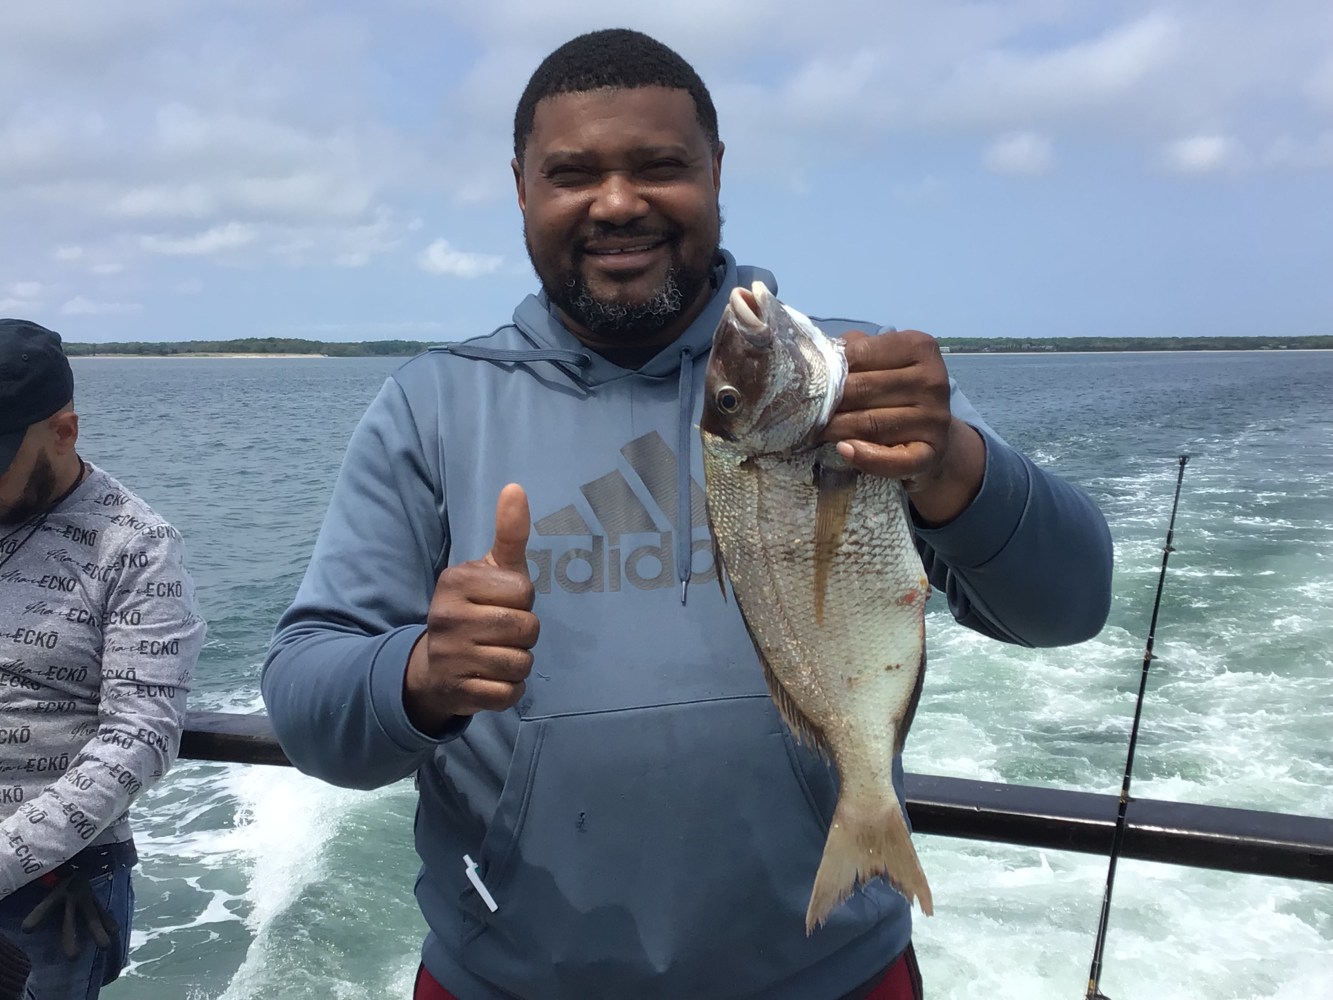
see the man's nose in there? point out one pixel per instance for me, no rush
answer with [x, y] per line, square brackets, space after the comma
[618, 200]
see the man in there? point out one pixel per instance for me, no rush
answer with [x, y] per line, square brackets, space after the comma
[616, 810]
[99, 634]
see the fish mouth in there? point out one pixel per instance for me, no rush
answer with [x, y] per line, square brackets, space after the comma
[750, 309]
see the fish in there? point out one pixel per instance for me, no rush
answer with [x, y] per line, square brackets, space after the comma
[823, 566]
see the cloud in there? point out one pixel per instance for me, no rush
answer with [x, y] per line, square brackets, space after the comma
[22, 297]
[80, 306]
[400, 330]
[1320, 85]
[1019, 153]
[441, 258]
[926, 190]
[1301, 154]
[1007, 83]
[169, 138]
[211, 241]
[1202, 154]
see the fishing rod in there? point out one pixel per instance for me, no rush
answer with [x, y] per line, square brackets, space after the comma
[1118, 838]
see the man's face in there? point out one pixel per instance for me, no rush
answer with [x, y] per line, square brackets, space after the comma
[28, 486]
[619, 193]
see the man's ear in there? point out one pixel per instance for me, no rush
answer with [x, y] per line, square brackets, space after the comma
[64, 430]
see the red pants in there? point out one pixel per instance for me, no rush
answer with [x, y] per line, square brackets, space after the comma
[902, 981]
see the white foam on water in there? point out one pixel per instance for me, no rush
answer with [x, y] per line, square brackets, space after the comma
[1238, 711]
[285, 822]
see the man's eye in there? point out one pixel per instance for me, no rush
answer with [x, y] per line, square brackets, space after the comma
[569, 175]
[662, 169]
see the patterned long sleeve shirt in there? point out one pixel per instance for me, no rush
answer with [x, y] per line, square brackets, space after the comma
[99, 636]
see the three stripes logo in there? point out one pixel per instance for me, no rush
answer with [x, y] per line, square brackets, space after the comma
[600, 562]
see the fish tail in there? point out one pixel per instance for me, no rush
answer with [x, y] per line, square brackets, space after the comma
[867, 838]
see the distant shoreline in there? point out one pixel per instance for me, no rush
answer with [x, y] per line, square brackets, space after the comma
[254, 348]
[221, 355]
[224, 356]
[1140, 350]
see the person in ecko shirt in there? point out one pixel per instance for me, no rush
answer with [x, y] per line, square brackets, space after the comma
[513, 596]
[99, 636]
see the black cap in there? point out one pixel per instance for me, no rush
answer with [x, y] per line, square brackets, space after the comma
[35, 381]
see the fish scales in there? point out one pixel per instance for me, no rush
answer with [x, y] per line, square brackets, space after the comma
[825, 570]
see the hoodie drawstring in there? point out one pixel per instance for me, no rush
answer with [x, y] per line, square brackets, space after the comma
[684, 438]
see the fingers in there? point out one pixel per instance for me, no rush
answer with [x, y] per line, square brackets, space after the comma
[894, 417]
[898, 349]
[513, 523]
[894, 369]
[485, 694]
[99, 922]
[69, 935]
[479, 623]
[480, 629]
[890, 426]
[39, 912]
[899, 461]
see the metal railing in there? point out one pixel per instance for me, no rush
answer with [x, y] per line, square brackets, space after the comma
[1235, 840]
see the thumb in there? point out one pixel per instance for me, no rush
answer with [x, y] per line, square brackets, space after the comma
[512, 525]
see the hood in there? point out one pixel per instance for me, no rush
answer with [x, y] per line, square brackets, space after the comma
[537, 320]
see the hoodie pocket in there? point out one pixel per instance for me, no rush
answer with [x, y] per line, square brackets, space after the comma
[669, 845]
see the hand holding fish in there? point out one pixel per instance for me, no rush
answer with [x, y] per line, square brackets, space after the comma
[894, 421]
[476, 652]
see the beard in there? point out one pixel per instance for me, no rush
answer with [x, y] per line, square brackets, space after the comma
[617, 319]
[627, 320]
[38, 492]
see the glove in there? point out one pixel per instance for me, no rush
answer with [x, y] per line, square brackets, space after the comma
[75, 892]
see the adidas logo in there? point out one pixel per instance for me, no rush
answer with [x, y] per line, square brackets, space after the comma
[603, 564]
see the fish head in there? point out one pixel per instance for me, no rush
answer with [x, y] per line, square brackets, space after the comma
[774, 378]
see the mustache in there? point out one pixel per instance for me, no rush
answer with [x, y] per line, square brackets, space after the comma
[603, 231]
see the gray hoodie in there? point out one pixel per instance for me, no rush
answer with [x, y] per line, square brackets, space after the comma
[642, 819]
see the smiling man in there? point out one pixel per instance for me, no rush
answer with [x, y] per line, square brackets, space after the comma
[609, 804]
[620, 209]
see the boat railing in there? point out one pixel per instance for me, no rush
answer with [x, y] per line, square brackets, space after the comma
[1179, 833]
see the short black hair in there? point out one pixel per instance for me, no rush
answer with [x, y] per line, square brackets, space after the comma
[612, 57]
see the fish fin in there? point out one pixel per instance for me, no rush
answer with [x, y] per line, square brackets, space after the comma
[797, 721]
[835, 487]
[719, 564]
[900, 737]
[868, 837]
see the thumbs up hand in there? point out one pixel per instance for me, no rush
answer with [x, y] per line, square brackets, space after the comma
[476, 652]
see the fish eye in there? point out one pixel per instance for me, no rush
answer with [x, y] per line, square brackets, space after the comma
[728, 399]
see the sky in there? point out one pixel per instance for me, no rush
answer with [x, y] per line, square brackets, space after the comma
[338, 170]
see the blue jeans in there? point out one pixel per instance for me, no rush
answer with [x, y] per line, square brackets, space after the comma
[53, 976]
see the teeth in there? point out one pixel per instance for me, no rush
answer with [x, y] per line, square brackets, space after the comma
[619, 250]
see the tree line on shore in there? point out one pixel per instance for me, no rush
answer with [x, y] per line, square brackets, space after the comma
[955, 345]
[252, 345]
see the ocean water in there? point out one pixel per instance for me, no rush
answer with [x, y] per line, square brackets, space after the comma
[259, 882]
